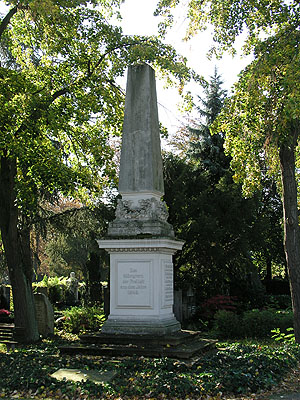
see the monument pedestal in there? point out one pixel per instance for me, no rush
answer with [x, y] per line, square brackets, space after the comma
[141, 286]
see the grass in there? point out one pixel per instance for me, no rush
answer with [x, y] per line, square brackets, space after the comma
[234, 368]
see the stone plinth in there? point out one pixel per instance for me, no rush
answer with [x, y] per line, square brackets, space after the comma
[141, 286]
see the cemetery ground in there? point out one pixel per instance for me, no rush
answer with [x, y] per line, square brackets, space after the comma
[234, 370]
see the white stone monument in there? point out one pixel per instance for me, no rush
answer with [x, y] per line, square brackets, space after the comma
[140, 241]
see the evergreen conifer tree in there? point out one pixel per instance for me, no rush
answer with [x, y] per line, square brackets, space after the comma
[206, 149]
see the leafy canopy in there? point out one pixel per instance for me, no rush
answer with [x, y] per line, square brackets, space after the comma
[59, 99]
[230, 18]
[264, 110]
[262, 113]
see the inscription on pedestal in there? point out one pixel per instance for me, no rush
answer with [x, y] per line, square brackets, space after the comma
[167, 281]
[134, 285]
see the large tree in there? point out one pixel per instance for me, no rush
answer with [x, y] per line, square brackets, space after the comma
[261, 120]
[208, 210]
[262, 135]
[59, 104]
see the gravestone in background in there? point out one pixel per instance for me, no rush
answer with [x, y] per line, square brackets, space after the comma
[140, 241]
[44, 315]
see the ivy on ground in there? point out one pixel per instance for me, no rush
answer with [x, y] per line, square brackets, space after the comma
[236, 368]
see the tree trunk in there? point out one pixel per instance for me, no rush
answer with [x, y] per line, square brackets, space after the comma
[17, 252]
[291, 227]
[268, 269]
[94, 277]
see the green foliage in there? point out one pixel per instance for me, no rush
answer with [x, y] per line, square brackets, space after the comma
[227, 324]
[70, 238]
[279, 302]
[251, 324]
[229, 19]
[59, 99]
[81, 319]
[265, 106]
[57, 288]
[64, 93]
[288, 337]
[263, 111]
[235, 369]
[60, 105]
[208, 211]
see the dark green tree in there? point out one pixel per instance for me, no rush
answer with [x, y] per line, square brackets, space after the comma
[229, 239]
[267, 234]
[207, 209]
[206, 149]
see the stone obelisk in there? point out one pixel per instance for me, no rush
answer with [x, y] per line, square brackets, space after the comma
[140, 240]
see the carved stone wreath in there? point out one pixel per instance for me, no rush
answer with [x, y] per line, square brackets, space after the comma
[147, 209]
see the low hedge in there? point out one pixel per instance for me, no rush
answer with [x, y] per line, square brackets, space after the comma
[251, 324]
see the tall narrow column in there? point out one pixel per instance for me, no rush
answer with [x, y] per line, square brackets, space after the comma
[141, 212]
[140, 240]
[141, 163]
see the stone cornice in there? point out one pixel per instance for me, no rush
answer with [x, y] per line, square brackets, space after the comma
[162, 245]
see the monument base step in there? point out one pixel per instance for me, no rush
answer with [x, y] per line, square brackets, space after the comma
[173, 339]
[183, 345]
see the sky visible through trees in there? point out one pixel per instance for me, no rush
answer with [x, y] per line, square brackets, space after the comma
[138, 19]
[195, 50]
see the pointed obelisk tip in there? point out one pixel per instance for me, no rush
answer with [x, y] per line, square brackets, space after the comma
[141, 168]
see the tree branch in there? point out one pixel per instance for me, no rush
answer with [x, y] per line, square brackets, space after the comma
[37, 113]
[7, 18]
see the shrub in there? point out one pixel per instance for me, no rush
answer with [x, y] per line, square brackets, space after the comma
[279, 301]
[258, 323]
[79, 319]
[288, 337]
[57, 287]
[220, 302]
[251, 324]
[227, 324]
[4, 313]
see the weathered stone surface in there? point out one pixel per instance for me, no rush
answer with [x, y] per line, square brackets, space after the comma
[140, 241]
[181, 345]
[5, 297]
[145, 217]
[77, 375]
[44, 315]
[72, 292]
[141, 290]
[141, 210]
[141, 162]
